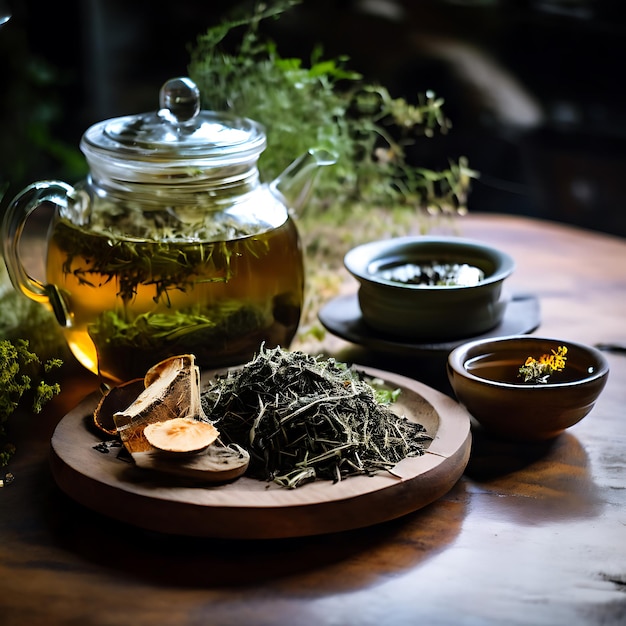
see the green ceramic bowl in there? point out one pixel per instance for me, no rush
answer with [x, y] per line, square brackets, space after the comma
[425, 312]
[484, 377]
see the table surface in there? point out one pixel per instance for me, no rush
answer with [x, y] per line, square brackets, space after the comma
[531, 534]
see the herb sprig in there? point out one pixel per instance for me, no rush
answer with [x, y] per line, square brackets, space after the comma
[327, 105]
[303, 418]
[21, 371]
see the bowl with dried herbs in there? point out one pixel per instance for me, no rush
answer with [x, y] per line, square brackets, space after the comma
[430, 288]
[527, 388]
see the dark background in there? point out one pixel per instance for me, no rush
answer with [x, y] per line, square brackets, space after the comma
[534, 88]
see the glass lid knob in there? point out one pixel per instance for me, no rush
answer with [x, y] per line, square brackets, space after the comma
[179, 100]
[178, 130]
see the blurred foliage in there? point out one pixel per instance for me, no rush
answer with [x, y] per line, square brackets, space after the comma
[326, 105]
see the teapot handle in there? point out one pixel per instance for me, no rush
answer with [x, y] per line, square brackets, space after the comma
[13, 225]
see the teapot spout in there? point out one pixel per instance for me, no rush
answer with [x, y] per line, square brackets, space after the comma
[296, 183]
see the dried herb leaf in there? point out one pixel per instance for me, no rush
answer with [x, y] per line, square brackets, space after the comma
[303, 418]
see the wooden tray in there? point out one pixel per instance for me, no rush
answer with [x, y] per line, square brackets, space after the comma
[252, 509]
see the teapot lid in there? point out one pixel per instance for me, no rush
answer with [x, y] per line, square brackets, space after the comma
[179, 130]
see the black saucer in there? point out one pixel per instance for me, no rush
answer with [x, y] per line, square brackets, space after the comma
[342, 317]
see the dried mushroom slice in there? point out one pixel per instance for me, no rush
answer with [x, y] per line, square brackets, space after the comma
[182, 435]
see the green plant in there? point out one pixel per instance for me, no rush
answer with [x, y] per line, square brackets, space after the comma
[31, 347]
[327, 105]
[21, 371]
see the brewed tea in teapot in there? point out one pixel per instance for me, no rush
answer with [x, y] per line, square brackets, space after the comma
[172, 244]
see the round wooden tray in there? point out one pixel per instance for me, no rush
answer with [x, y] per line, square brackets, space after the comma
[253, 509]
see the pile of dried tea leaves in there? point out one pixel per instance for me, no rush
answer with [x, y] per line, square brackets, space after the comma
[303, 418]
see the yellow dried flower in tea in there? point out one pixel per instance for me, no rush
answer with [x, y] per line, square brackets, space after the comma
[539, 370]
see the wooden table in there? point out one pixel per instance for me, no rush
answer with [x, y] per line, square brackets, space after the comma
[529, 535]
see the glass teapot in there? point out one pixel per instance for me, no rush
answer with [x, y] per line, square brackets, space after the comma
[172, 244]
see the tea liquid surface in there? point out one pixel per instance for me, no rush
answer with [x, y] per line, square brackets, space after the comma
[505, 369]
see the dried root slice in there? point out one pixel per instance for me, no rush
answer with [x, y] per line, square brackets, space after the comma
[172, 390]
[183, 363]
[160, 430]
[181, 435]
[116, 399]
[217, 464]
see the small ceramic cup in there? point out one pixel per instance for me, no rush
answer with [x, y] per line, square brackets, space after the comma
[429, 312]
[485, 377]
